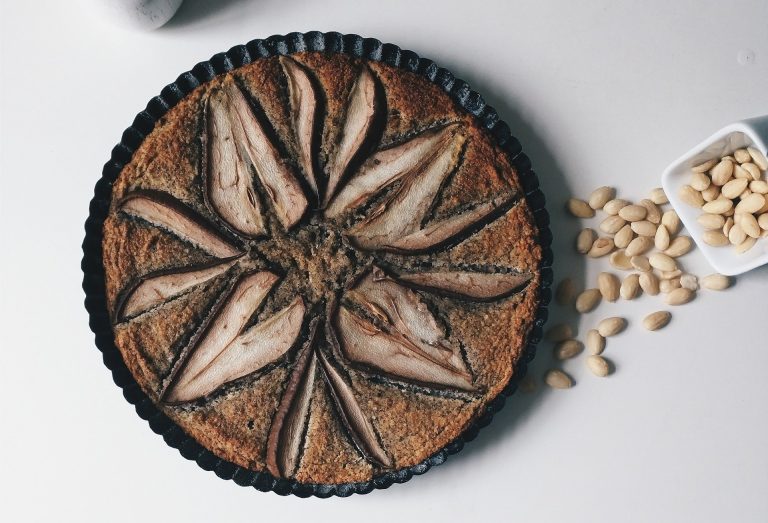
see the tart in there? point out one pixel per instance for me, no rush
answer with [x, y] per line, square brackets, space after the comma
[318, 270]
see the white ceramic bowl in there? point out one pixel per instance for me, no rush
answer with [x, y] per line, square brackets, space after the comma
[746, 133]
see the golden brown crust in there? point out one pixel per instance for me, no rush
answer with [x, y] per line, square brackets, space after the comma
[412, 422]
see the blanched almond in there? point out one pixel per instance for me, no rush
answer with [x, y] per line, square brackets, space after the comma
[598, 365]
[728, 225]
[661, 240]
[611, 326]
[715, 238]
[640, 263]
[566, 292]
[749, 225]
[622, 238]
[614, 206]
[740, 173]
[753, 170]
[601, 247]
[609, 286]
[558, 379]
[595, 342]
[567, 349]
[747, 244]
[716, 282]
[630, 287]
[700, 181]
[750, 204]
[585, 239]
[601, 196]
[649, 283]
[719, 206]
[722, 172]
[670, 275]
[633, 213]
[691, 196]
[619, 260]
[690, 282]
[734, 188]
[711, 221]
[588, 300]
[580, 208]
[612, 224]
[559, 332]
[704, 166]
[680, 296]
[644, 228]
[667, 286]
[742, 155]
[759, 186]
[679, 246]
[711, 193]
[671, 221]
[657, 320]
[662, 262]
[639, 245]
[653, 213]
[762, 221]
[736, 235]
[758, 157]
[658, 196]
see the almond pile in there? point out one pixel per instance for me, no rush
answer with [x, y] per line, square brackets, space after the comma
[733, 193]
[643, 242]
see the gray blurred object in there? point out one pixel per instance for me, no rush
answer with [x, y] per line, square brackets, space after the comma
[143, 15]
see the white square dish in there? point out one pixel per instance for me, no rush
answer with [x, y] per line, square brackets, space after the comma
[746, 133]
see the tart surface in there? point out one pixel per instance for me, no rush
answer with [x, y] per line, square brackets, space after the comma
[320, 267]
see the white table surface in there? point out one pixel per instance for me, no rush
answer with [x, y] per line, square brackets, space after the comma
[598, 92]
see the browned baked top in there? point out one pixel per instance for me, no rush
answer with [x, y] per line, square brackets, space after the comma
[320, 267]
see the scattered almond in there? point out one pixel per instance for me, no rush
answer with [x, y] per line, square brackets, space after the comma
[658, 196]
[630, 287]
[614, 206]
[585, 239]
[716, 282]
[661, 240]
[568, 349]
[680, 296]
[595, 342]
[612, 224]
[580, 208]
[657, 320]
[598, 365]
[558, 379]
[611, 326]
[633, 213]
[679, 246]
[690, 282]
[644, 228]
[639, 245]
[622, 238]
[667, 286]
[565, 292]
[671, 221]
[588, 300]
[601, 247]
[649, 283]
[640, 263]
[719, 206]
[601, 196]
[619, 260]
[609, 286]
[662, 262]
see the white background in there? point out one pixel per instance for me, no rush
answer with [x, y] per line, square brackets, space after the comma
[598, 92]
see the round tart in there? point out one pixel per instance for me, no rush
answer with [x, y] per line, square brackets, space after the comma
[313, 268]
